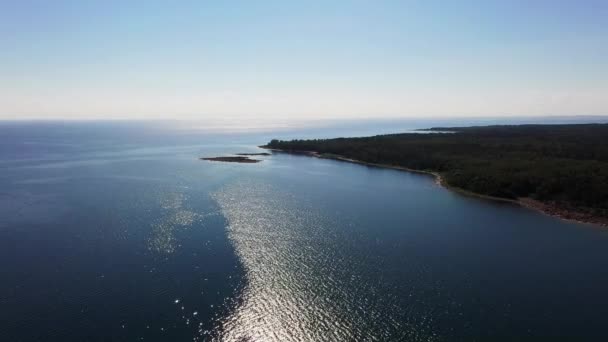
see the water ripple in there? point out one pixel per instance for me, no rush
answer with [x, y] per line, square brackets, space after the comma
[175, 216]
[303, 283]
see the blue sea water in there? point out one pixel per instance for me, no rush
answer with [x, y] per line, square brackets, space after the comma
[118, 232]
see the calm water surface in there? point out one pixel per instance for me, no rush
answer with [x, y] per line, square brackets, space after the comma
[117, 232]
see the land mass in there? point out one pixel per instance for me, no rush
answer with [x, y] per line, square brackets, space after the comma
[561, 170]
[232, 159]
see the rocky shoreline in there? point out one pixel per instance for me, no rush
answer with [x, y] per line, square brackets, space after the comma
[232, 159]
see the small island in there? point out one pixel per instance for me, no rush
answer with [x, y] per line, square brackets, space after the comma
[232, 159]
[561, 170]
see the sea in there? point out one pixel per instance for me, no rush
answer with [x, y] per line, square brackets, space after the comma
[117, 231]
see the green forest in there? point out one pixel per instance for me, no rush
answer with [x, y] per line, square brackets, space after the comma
[565, 165]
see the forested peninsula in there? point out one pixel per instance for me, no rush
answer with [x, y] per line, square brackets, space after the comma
[561, 170]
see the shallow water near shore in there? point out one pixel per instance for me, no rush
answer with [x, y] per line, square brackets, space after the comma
[118, 232]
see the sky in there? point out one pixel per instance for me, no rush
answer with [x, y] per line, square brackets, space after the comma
[297, 60]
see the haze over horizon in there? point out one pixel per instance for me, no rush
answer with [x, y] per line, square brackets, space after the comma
[277, 61]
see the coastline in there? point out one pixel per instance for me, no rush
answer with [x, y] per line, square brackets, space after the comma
[529, 203]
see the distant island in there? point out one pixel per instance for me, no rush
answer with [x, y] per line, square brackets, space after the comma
[232, 159]
[561, 170]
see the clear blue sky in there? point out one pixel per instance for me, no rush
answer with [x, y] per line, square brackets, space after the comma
[307, 59]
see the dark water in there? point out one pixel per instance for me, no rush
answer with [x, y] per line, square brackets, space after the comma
[116, 232]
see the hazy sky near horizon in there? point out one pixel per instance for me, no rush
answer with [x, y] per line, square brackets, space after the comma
[281, 60]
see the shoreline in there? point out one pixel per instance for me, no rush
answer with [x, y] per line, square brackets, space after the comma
[526, 202]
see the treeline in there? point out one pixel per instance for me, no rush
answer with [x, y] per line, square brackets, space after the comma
[566, 165]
